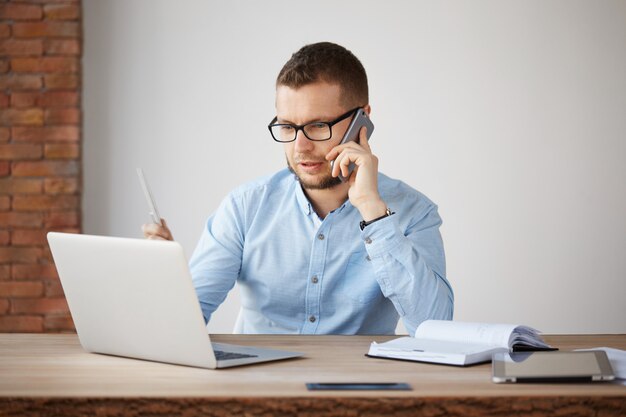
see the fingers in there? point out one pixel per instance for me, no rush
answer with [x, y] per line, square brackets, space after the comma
[343, 161]
[363, 144]
[344, 165]
[345, 156]
[337, 166]
[155, 232]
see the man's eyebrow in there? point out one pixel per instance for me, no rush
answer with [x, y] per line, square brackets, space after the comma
[317, 119]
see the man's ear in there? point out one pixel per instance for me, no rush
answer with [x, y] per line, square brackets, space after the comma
[368, 109]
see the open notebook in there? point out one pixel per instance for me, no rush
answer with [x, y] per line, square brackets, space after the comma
[459, 343]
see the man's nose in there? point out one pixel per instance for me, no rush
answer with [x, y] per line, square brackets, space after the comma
[302, 143]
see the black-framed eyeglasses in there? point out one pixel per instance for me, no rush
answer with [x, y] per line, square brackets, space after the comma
[316, 131]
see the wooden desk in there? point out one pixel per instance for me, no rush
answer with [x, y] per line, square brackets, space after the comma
[52, 375]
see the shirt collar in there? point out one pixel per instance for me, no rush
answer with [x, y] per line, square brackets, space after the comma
[305, 204]
[303, 201]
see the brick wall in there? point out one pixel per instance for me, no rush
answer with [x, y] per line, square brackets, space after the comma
[40, 156]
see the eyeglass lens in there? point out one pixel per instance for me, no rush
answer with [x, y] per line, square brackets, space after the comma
[313, 131]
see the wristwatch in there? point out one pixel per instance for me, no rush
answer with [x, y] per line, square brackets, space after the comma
[387, 214]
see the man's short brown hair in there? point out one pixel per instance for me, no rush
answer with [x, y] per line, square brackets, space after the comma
[331, 63]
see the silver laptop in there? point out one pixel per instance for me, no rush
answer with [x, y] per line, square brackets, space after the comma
[134, 298]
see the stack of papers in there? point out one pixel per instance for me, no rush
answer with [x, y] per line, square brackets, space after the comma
[617, 358]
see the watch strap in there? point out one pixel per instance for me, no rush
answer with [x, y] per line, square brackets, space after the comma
[388, 213]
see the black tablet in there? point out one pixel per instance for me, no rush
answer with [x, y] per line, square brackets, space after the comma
[562, 366]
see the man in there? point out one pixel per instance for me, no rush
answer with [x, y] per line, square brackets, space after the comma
[312, 254]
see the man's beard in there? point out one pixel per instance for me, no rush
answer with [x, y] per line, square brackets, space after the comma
[326, 182]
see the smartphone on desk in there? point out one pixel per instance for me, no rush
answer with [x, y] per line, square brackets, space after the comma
[154, 213]
[359, 120]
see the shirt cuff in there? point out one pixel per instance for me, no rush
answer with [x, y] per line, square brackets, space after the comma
[382, 236]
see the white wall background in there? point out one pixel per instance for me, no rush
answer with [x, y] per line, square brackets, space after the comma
[511, 115]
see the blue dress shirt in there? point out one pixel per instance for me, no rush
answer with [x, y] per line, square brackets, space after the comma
[302, 275]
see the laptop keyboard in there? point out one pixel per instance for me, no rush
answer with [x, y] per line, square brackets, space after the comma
[221, 355]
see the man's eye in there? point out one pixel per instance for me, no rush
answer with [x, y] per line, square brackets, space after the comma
[286, 128]
[317, 125]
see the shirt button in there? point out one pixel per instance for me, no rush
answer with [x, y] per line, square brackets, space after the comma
[314, 279]
[312, 319]
[320, 236]
[368, 240]
[368, 258]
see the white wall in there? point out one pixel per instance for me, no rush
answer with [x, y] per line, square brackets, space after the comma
[511, 115]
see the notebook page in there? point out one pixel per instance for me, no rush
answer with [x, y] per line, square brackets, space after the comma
[463, 332]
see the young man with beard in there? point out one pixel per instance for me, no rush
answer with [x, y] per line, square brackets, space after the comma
[312, 254]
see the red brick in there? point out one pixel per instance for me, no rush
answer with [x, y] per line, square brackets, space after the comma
[39, 305]
[58, 322]
[59, 99]
[47, 133]
[45, 64]
[5, 272]
[16, 47]
[46, 29]
[20, 82]
[21, 117]
[50, 99]
[61, 81]
[16, 152]
[5, 239]
[5, 168]
[28, 237]
[5, 30]
[4, 66]
[19, 100]
[4, 306]
[24, 255]
[74, 230]
[59, 168]
[4, 100]
[5, 134]
[33, 272]
[53, 288]
[14, 11]
[62, 11]
[45, 202]
[20, 186]
[62, 116]
[46, 256]
[21, 324]
[62, 47]
[13, 219]
[45, 1]
[62, 185]
[23, 289]
[61, 151]
[60, 219]
[5, 203]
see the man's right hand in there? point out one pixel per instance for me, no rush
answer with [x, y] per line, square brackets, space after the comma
[155, 232]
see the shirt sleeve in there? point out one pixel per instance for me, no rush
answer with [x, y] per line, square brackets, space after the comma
[216, 262]
[410, 266]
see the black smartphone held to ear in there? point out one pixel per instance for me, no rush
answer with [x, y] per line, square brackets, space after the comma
[359, 120]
